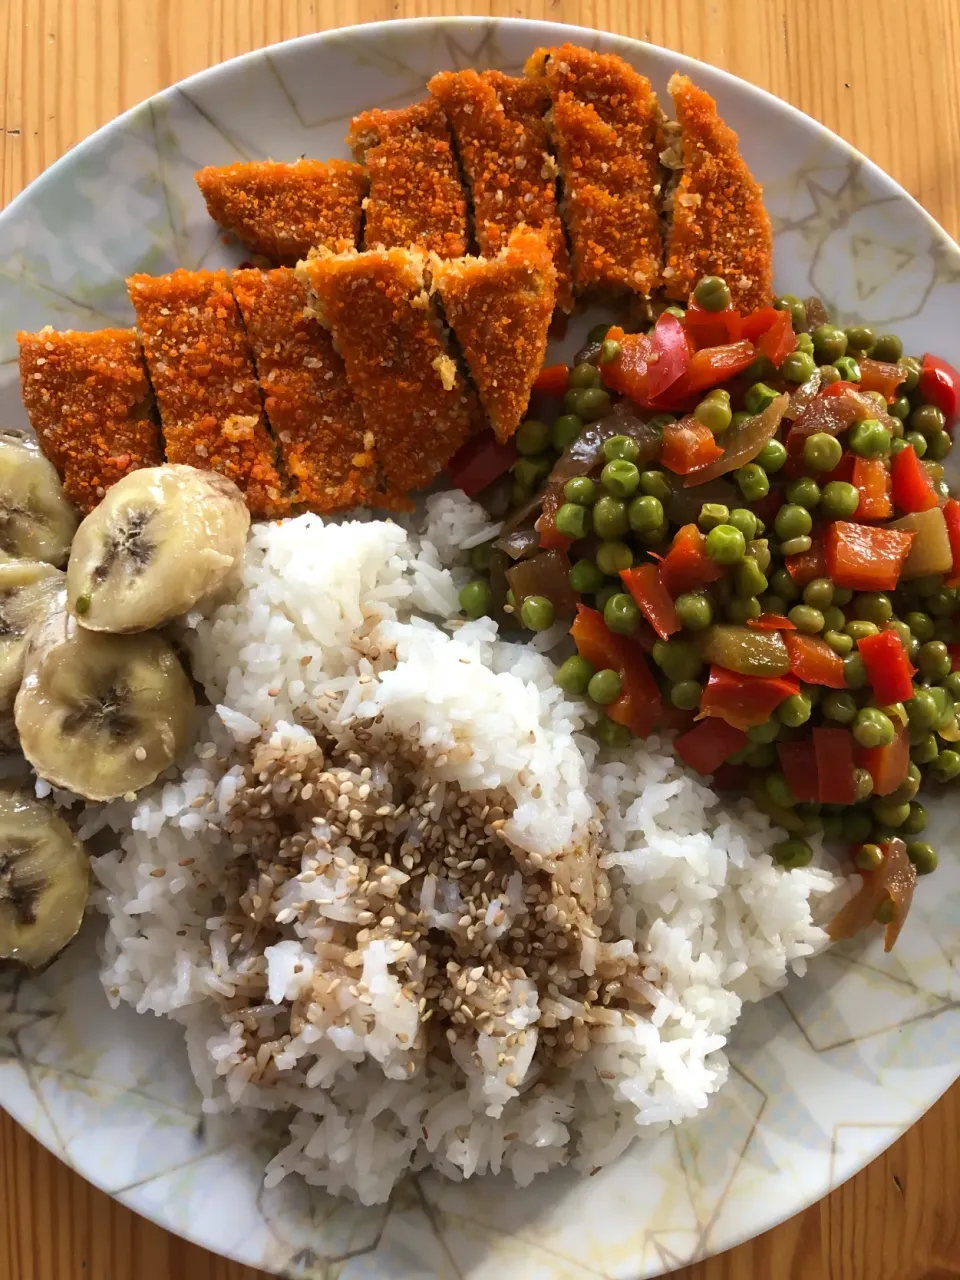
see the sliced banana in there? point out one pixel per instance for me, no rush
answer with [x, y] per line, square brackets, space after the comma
[44, 880]
[37, 521]
[29, 590]
[99, 714]
[162, 540]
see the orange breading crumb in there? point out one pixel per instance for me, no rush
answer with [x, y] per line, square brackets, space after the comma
[499, 309]
[605, 125]
[282, 211]
[314, 416]
[498, 122]
[720, 226]
[204, 381]
[89, 402]
[416, 197]
[414, 401]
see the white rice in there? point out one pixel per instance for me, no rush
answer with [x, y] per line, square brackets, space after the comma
[335, 623]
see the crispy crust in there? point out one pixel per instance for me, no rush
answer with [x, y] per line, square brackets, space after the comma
[499, 309]
[282, 211]
[314, 416]
[204, 381]
[498, 122]
[720, 226]
[416, 197]
[605, 126]
[414, 401]
[89, 402]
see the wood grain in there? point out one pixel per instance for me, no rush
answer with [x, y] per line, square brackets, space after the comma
[884, 75]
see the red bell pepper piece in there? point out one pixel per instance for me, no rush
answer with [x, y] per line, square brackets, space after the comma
[708, 744]
[686, 564]
[627, 372]
[687, 446]
[771, 622]
[551, 539]
[814, 662]
[712, 328]
[779, 340]
[940, 385]
[951, 514]
[806, 565]
[798, 761]
[954, 651]
[912, 487]
[834, 756]
[878, 375]
[871, 479]
[646, 586]
[888, 668]
[730, 777]
[671, 354]
[639, 704]
[480, 461]
[863, 557]
[756, 324]
[744, 700]
[838, 388]
[708, 368]
[887, 766]
[648, 366]
[552, 380]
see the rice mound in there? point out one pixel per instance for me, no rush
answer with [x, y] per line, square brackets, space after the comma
[399, 894]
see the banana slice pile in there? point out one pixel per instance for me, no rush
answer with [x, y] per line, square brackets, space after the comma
[37, 522]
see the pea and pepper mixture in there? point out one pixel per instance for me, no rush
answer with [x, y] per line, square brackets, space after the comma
[743, 520]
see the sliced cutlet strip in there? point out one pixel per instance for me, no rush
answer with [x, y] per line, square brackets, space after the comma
[499, 310]
[315, 419]
[416, 196]
[89, 401]
[719, 226]
[604, 121]
[204, 381]
[498, 122]
[414, 400]
[282, 211]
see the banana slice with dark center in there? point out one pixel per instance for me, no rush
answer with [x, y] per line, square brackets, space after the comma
[161, 541]
[99, 714]
[28, 592]
[37, 521]
[44, 880]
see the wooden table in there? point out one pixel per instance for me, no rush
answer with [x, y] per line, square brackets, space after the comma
[884, 75]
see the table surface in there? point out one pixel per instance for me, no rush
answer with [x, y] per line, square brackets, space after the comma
[884, 76]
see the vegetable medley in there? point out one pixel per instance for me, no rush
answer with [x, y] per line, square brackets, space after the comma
[743, 520]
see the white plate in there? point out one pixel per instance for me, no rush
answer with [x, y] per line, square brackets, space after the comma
[824, 1076]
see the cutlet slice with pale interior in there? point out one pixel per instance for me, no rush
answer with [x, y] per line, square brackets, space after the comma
[315, 419]
[204, 381]
[282, 211]
[604, 121]
[414, 400]
[89, 401]
[498, 122]
[416, 196]
[720, 226]
[499, 310]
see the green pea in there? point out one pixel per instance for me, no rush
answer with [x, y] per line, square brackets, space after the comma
[613, 556]
[694, 610]
[839, 706]
[480, 556]
[678, 659]
[725, 544]
[572, 520]
[565, 430]
[910, 368]
[839, 500]
[621, 449]
[752, 481]
[872, 606]
[946, 766]
[819, 593]
[952, 685]
[714, 414]
[621, 478]
[584, 375]
[792, 521]
[784, 585]
[798, 311]
[612, 734]
[856, 824]
[588, 403]
[606, 593]
[779, 791]
[476, 598]
[604, 686]
[654, 484]
[909, 787]
[774, 604]
[772, 457]
[884, 913]
[922, 710]
[872, 728]
[795, 710]
[933, 660]
[860, 629]
[847, 368]
[869, 439]
[740, 417]
[645, 514]
[887, 347]
[712, 293]
[904, 634]
[621, 614]
[610, 518]
[581, 490]
[822, 451]
[925, 749]
[530, 471]
[900, 409]
[609, 350]
[685, 694]
[916, 820]
[829, 343]
[939, 445]
[532, 437]
[869, 857]
[659, 421]
[890, 815]
[749, 579]
[798, 366]
[923, 856]
[828, 374]
[943, 602]
[574, 675]
[744, 520]
[927, 419]
[838, 641]
[921, 624]
[760, 756]
[860, 338]
[585, 577]
[758, 550]
[742, 610]
[536, 613]
[803, 492]
[792, 853]
[758, 397]
[769, 731]
[854, 671]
